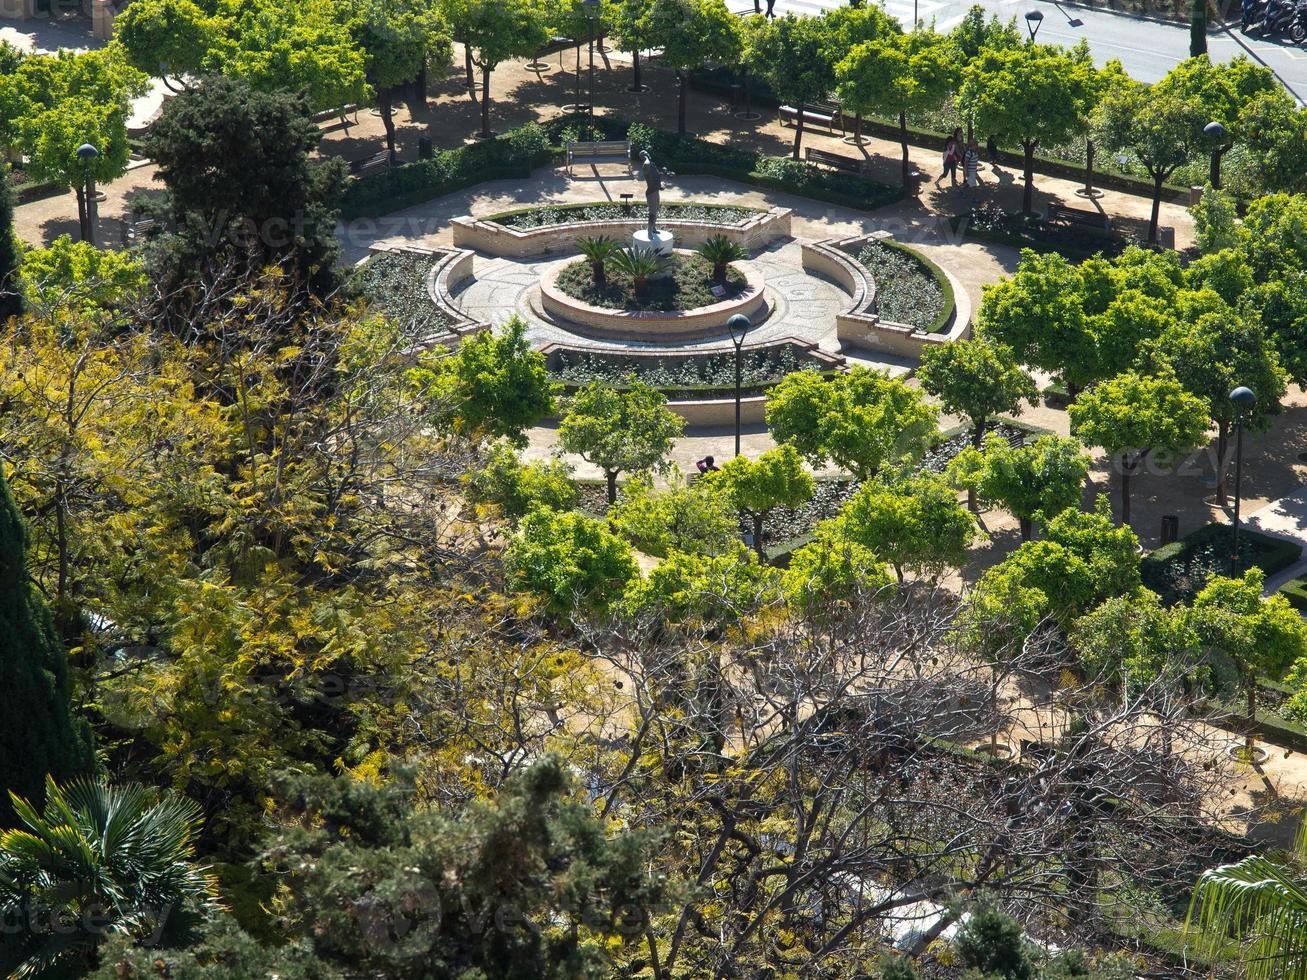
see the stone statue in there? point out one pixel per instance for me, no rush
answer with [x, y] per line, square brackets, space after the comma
[653, 183]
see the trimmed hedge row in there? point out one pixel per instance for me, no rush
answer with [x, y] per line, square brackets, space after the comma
[1295, 590]
[1178, 571]
[515, 154]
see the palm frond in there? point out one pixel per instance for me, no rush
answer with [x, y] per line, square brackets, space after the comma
[1259, 903]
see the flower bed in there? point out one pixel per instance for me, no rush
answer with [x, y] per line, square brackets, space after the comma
[708, 371]
[550, 215]
[688, 287]
[1177, 572]
[395, 283]
[907, 290]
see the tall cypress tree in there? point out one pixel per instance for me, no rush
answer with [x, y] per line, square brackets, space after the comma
[38, 735]
[11, 296]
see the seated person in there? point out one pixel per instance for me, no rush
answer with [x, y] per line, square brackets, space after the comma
[706, 465]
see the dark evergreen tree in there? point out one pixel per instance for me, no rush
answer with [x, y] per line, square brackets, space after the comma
[991, 943]
[244, 194]
[11, 296]
[38, 734]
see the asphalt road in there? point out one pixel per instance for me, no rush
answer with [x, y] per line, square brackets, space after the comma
[1147, 48]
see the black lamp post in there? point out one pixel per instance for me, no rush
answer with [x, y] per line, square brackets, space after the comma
[591, 16]
[1215, 132]
[1243, 399]
[739, 325]
[87, 153]
[1033, 21]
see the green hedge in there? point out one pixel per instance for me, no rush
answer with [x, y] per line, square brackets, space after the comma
[1295, 590]
[691, 155]
[670, 210]
[1178, 571]
[514, 154]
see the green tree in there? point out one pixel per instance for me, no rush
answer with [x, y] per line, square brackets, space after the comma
[1041, 479]
[99, 860]
[757, 487]
[400, 40]
[39, 737]
[977, 379]
[916, 525]
[1132, 416]
[898, 75]
[720, 589]
[242, 189]
[529, 882]
[692, 33]
[620, 430]
[11, 256]
[499, 30]
[494, 385]
[828, 573]
[1082, 561]
[862, 420]
[168, 39]
[1039, 313]
[1159, 125]
[79, 275]
[1134, 640]
[1264, 636]
[1034, 94]
[629, 27]
[568, 560]
[993, 944]
[696, 519]
[516, 488]
[792, 54]
[1210, 355]
[1273, 129]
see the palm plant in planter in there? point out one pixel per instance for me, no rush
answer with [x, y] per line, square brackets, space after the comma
[640, 264]
[720, 252]
[597, 250]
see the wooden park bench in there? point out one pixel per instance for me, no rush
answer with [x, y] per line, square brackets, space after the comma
[836, 161]
[378, 161]
[825, 114]
[599, 152]
[1093, 220]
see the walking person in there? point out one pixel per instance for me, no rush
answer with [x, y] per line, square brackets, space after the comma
[971, 170]
[771, 9]
[952, 154]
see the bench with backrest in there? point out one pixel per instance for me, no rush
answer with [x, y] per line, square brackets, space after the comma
[599, 152]
[837, 161]
[378, 161]
[827, 114]
[1093, 220]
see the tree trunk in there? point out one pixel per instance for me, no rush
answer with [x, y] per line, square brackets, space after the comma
[1125, 490]
[467, 66]
[857, 129]
[485, 103]
[1027, 528]
[420, 85]
[798, 132]
[635, 70]
[611, 477]
[1197, 28]
[757, 537]
[1028, 200]
[682, 77]
[978, 427]
[1157, 208]
[1222, 470]
[903, 140]
[388, 121]
[1250, 745]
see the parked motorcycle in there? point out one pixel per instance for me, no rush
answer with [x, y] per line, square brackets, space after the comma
[1298, 27]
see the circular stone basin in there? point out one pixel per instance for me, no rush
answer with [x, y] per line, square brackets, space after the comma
[650, 325]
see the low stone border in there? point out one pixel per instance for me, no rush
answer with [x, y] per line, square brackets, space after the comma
[648, 325]
[553, 349]
[860, 325]
[450, 268]
[493, 238]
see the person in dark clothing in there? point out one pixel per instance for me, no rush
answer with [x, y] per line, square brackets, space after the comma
[707, 465]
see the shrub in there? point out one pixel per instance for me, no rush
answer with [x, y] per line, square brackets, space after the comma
[720, 251]
[597, 250]
[719, 589]
[697, 519]
[568, 560]
[517, 488]
[396, 284]
[992, 943]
